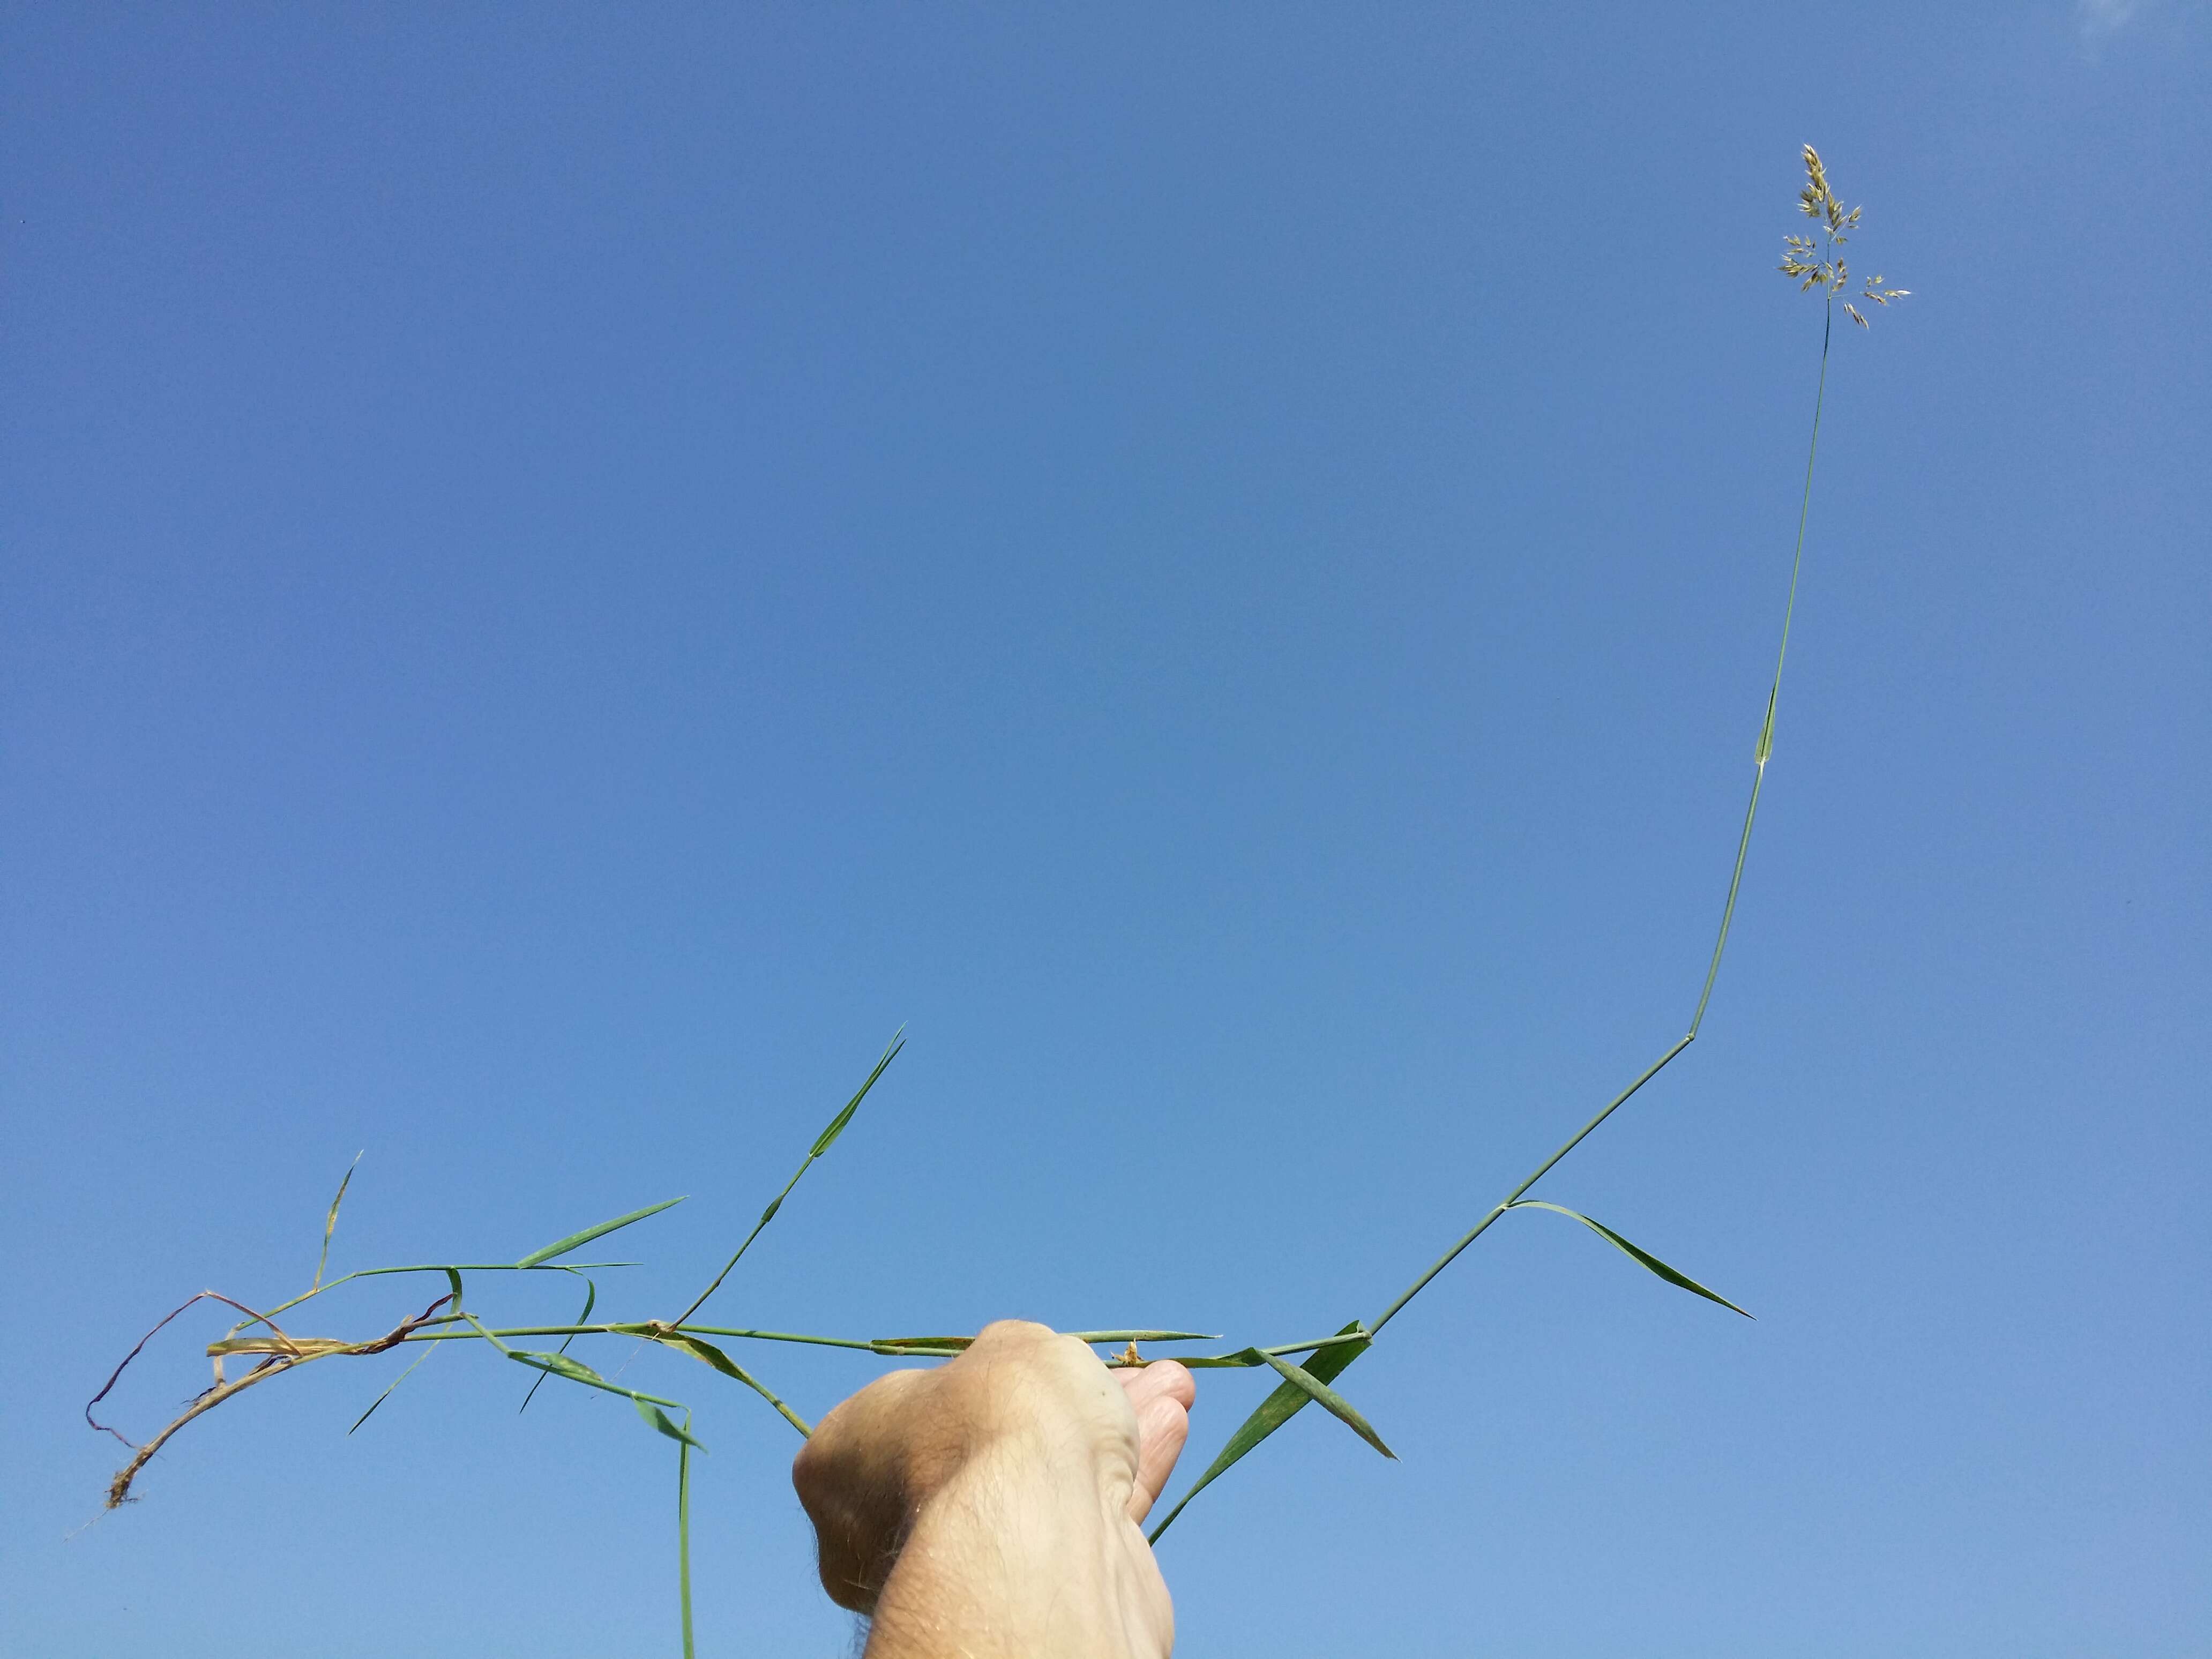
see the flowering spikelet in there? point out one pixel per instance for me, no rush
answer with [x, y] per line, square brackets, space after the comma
[1813, 265]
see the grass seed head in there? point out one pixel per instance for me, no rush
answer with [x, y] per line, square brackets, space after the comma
[1812, 265]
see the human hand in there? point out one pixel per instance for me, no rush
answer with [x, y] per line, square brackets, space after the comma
[991, 1504]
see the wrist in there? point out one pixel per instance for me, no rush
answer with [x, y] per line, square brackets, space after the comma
[1023, 1550]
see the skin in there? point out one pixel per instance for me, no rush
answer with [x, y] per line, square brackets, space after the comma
[989, 1507]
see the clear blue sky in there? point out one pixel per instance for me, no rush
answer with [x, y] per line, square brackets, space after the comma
[567, 570]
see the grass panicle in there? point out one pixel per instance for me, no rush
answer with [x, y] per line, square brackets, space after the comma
[1814, 265]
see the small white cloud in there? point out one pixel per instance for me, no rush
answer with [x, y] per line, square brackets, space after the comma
[2101, 17]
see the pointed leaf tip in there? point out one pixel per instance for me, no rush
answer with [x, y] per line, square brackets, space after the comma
[1327, 1398]
[658, 1420]
[576, 1240]
[1283, 1403]
[707, 1354]
[1639, 1254]
[828, 1138]
[560, 1365]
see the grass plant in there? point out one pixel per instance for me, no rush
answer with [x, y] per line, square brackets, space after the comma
[262, 1343]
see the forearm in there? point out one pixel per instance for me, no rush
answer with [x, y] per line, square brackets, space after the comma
[1010, 1560]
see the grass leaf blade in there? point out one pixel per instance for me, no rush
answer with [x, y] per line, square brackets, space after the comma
[575, 1371]
[828, 1138]
[660, 1420]
[1643, 1257]
[575, 1241]
[707, 1354]
[560, 1365]
[427, 1352]
[331, 1224]
[822, 1144]
[590, 1298]
[1287, 1399]
[1328, 1399]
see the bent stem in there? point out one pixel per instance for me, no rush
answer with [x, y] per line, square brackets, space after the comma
[1759, 756]
[1285, 1401]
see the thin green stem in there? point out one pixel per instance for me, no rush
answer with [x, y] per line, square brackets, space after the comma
[1241, 1358]
[683, 1534]
[889, 1347]
[823, 1144]
[1313, 1346]
[633, 1328]
[1735, 876]
[1774, 692]
[591, 1299]
[806, 1429]
[767, 1216]
[492, 1337]
[1540, 1171]
[780, 1336]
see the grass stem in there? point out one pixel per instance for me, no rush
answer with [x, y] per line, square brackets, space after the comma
[1774, 693]
[1736, 878]
[683, 1536]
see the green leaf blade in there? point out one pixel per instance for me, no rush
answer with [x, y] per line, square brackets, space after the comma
[822, 1142]
[1287, 1399]
[331, 1222]
[660, 1420]
[828, 1138]
[1328, 1399]
[1635, 1252]
[899, 1344]
[560, 1365]
[590, 1300]
[648, 1405]
[706, 1353]
[576, 1240]
[428, 1350]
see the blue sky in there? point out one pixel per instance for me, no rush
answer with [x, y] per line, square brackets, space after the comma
[567, 571]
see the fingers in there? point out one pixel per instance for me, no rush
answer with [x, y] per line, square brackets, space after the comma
[1162, 1377]
[1161, 1394]
[877, 1459]
[1162, 1428]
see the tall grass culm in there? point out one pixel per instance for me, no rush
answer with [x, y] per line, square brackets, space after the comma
[1307, 1369]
